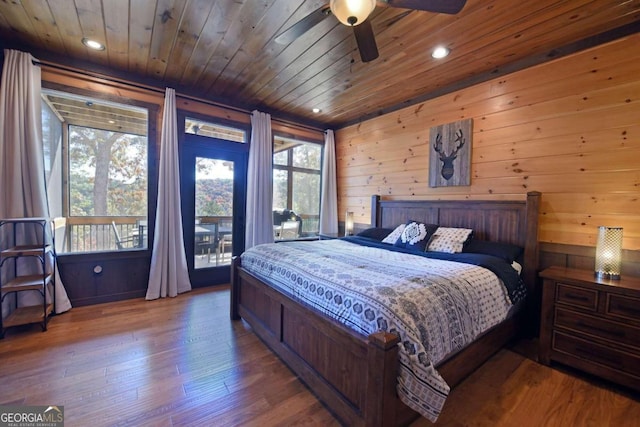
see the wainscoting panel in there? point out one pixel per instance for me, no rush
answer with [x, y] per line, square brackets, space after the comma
[583, 257]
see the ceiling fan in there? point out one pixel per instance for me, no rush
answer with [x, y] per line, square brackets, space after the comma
[354, 13]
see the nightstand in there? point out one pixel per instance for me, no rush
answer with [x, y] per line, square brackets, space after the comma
[591, 324]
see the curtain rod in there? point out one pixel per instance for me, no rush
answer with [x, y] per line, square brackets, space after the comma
[154, 89]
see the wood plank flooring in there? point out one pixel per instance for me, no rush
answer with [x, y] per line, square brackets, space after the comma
[182, 362]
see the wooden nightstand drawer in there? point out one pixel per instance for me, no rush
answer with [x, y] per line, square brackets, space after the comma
[623, 306]
[591, 324]
[578, 297]
[596, 353]
[598, 327]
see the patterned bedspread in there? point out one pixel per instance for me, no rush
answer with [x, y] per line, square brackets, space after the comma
[436, 307]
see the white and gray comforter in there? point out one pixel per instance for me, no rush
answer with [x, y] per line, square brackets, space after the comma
[436, 307]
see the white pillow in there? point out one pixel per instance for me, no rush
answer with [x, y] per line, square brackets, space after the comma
[394, 235]
[449, 239]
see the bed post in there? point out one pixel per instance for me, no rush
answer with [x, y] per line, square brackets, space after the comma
[381, 400]
[235, 290]
[531, 242]
[375, 210]
[530, 271]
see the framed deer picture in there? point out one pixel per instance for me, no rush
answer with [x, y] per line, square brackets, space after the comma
[450, 154]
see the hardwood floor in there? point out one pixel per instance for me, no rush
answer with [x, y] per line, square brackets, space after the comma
[182, 362]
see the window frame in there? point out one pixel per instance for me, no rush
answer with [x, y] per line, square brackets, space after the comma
[290, 169]
[223, 123]
[183, 115]
[152, 164]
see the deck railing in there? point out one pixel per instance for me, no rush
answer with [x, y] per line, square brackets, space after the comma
[96, 233]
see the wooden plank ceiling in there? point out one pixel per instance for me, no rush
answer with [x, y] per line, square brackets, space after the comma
[224, 50]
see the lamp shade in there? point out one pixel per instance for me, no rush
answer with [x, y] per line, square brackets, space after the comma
[352, 12]
[609, 253]
[348, 224]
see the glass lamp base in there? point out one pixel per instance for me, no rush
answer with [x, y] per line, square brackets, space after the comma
[605, 275]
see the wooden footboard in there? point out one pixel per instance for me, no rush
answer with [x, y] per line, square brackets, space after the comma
[352, 374]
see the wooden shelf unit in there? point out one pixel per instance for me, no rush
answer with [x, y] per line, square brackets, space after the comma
[44, 254]
[591, 324]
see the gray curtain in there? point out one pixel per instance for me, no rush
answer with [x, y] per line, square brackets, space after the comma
[169, 275]
[22, 176]
[329, 196]
[259, 214]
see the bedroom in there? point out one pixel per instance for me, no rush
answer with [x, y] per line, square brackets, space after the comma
[567, 128]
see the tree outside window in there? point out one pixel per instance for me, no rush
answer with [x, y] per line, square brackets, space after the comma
[108, 173]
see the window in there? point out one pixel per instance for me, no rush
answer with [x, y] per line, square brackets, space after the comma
[99, 171]
[214, 130]
[296, 188]
[107, 173]
[51, 141]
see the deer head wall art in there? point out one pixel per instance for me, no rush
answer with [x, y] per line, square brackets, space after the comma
[450, 154]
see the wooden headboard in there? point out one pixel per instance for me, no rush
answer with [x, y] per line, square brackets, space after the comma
[503, 221]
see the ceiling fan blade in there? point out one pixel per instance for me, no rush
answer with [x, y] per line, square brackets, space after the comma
[303, 25]
[438, 6]
[366, 41]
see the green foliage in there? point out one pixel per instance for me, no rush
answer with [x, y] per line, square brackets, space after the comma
[81, 195]
[108, 173]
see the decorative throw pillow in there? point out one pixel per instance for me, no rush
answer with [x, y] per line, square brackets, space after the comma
[416, 235]
[449, 239]
[393, 236]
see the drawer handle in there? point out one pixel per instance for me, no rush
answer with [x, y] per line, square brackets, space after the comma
[577, 297]
[618, 334]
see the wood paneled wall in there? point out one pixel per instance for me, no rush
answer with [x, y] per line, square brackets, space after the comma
[569, 128]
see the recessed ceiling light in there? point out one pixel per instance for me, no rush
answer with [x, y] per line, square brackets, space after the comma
[440, 52]
[92, 44]
[316, 110]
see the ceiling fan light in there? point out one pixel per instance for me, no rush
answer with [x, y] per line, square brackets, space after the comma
[352, 12]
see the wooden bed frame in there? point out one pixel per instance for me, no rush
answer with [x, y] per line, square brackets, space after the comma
[355, 375]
